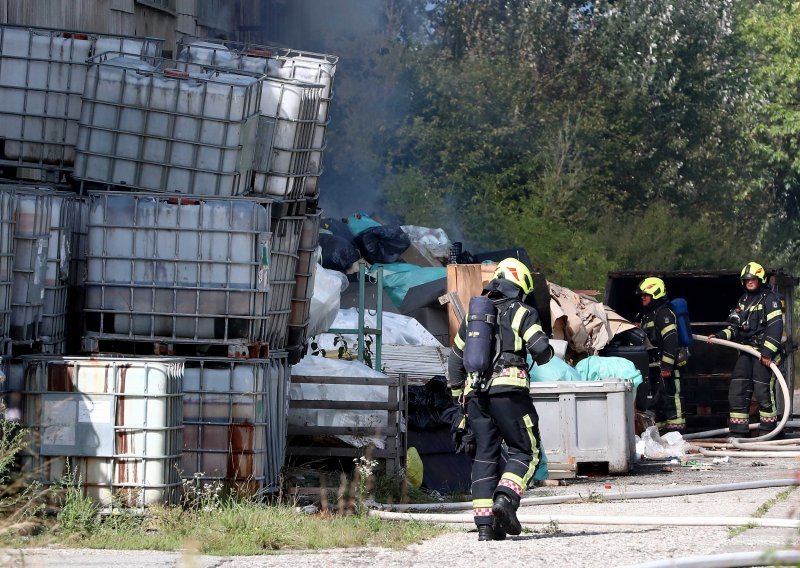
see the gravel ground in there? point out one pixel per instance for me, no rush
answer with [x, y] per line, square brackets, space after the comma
[563, 545]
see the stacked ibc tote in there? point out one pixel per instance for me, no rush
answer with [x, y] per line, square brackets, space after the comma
[195, 194]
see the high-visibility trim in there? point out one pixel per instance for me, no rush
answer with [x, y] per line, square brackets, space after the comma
[463, 423]
[482, 512]
[763, 414]
[532, 330]
[739, 415]
[478, 503]
[668, 328]
[677, 399]
[516, 322]
[727, 333]
[773, 315]
[773, 402]
[456, 392]
[771, 345]
[511, 485]
[511, 382]
[515, 478]
[667, 359]
[649, 324]
[534, 450]
[459, 342]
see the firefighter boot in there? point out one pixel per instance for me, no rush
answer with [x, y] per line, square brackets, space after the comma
[505, 515]
[497, 532]
[485, 532]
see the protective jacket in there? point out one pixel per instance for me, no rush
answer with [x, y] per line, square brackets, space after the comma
[760, 321]
[519, 332]
[660, 324]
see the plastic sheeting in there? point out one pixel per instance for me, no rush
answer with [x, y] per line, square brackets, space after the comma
[596, 368]
[328, 287]
[323, 367]
[399, 277]
[397, 330]
[431, 241]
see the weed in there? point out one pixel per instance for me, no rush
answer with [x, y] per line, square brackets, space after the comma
[200, 495]
[78, 513]
[365, 479]
[552, 528]
[762, 510]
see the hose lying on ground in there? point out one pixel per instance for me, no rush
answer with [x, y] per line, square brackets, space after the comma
[728, 560]
[775, 371]
[616, 496]
[527, 519]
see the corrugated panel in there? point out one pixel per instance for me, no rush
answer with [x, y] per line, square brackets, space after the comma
[186, 24]
[122, 5]
[88, 15]
[188, 7]
[419, 363]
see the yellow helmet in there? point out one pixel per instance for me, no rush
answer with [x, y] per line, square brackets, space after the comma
[652, 286]
[515, 272]
[754, 270]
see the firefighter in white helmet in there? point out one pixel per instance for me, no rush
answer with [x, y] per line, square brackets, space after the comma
[497, 400]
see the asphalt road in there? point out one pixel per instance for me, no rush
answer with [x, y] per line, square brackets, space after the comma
[542, 545]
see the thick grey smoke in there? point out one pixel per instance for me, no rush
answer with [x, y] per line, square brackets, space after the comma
[333, 27]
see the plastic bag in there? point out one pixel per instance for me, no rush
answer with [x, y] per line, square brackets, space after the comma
[414, 467]
[555, 370]
[596, 368]
[325, 300]
[336, 227]
[657, 447]
[399, 277]
[433, 241]
[383, 244]
[337, 253]
[359, 222]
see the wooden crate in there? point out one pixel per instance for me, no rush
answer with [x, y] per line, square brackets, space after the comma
[396, 404]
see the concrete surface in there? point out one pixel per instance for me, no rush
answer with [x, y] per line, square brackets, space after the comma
[540, 546]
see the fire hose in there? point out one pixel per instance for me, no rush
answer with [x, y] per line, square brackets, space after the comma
[752, 447]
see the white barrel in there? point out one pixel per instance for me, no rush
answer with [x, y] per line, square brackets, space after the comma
[117, 420]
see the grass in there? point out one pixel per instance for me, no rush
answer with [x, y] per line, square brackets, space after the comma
[207, 522]
[762, 510]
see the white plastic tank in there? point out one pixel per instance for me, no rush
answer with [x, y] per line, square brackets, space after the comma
[179, 128]
[177, 269]
[42, 74]
[293, 105]
[52, 330]
[115, 422]
[31, 242]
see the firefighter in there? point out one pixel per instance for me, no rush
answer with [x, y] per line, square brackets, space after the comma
[497, 402]
[757, 321]
[659, 322]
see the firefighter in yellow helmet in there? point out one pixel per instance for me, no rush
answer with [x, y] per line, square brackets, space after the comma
[659, 322]
[496, 399]
[757, 321]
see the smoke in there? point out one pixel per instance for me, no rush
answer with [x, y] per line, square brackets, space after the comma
[351, 30]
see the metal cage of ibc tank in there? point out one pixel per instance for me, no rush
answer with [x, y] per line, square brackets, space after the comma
[113, 423]
[235, 422]
[41, 277]
[177, 270]
[8, 204]
[42, 74]
[167, 126]
[291, 64]
[304, 280]
[286, 235]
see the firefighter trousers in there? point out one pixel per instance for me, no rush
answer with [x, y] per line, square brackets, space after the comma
[505, 417]
[666, 402]
[751, 377]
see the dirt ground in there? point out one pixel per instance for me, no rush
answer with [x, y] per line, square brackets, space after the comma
[552, 544]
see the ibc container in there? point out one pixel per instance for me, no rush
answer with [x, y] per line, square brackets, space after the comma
[167, 126]
[77, 273]
[290, 64]
[52, 330]
[42, 74]
[177, 269]
[32, 217]
[587, 422]
[285, 241]
[285, 146]
[114, 423]
[234, 422]
[304, 279]
[8, 204]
